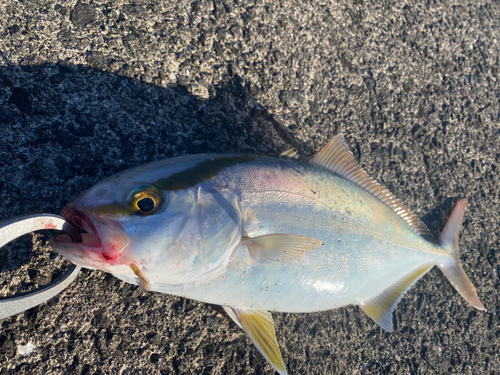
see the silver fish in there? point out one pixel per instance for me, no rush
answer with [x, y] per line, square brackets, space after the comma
[257, 234]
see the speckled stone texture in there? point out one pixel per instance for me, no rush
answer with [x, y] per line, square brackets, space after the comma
[90, 88]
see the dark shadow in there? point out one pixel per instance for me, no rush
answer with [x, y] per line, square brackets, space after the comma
[65, 127]
[437, 218]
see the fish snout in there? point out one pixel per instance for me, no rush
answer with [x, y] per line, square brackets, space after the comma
[103, 235]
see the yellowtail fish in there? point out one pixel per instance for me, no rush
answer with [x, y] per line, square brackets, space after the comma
[258, 234]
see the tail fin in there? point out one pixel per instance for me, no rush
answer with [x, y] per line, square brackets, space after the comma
[451, 266]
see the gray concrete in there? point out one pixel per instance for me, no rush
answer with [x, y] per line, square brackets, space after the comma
[89, 89]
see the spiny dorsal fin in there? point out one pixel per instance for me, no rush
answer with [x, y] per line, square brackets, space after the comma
[337, 157]
[381, 307]
[281, 248]
[258, 324]
[290, 153]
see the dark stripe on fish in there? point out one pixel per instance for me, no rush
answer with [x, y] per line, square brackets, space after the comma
[203, 171]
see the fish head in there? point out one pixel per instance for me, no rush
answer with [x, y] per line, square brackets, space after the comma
[141, 229]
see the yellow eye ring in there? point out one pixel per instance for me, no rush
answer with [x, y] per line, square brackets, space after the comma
[146, 202]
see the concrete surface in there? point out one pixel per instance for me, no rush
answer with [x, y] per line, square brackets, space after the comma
[91, 88]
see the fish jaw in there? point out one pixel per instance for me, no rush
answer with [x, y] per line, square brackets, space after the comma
[103, 245]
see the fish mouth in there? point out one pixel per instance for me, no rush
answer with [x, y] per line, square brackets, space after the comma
[102, 245]
[91, 238]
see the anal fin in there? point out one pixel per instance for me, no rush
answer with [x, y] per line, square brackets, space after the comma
[381, 307]
[258, 324]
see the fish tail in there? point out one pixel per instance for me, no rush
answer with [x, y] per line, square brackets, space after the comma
[450, 264]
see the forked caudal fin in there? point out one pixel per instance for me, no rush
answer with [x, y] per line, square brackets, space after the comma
[451, 266]
[381, 307]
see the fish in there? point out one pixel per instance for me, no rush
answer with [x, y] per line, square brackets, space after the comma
[260, 234]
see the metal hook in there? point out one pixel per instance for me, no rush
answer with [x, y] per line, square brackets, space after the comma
[16, 227]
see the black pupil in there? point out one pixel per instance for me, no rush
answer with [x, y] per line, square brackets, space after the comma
[146, 204]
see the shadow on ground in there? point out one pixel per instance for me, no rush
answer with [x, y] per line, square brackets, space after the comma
[66, 127]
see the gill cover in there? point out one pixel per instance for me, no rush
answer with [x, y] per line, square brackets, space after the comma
[204, 226]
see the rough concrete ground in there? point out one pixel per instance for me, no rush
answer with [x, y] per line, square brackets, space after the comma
[91, 88]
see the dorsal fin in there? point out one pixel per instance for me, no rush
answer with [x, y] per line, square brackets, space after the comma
[337, 157]
[290, 153]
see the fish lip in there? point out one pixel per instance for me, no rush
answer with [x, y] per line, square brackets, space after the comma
[108, 245]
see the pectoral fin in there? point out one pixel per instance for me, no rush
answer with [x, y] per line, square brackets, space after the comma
[381, 307]
[259, 326]
[280, 248]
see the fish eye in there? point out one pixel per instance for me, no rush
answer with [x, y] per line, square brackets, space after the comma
[146, 201]
[146, 204]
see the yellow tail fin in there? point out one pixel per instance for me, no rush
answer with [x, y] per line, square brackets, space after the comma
[451, 266]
